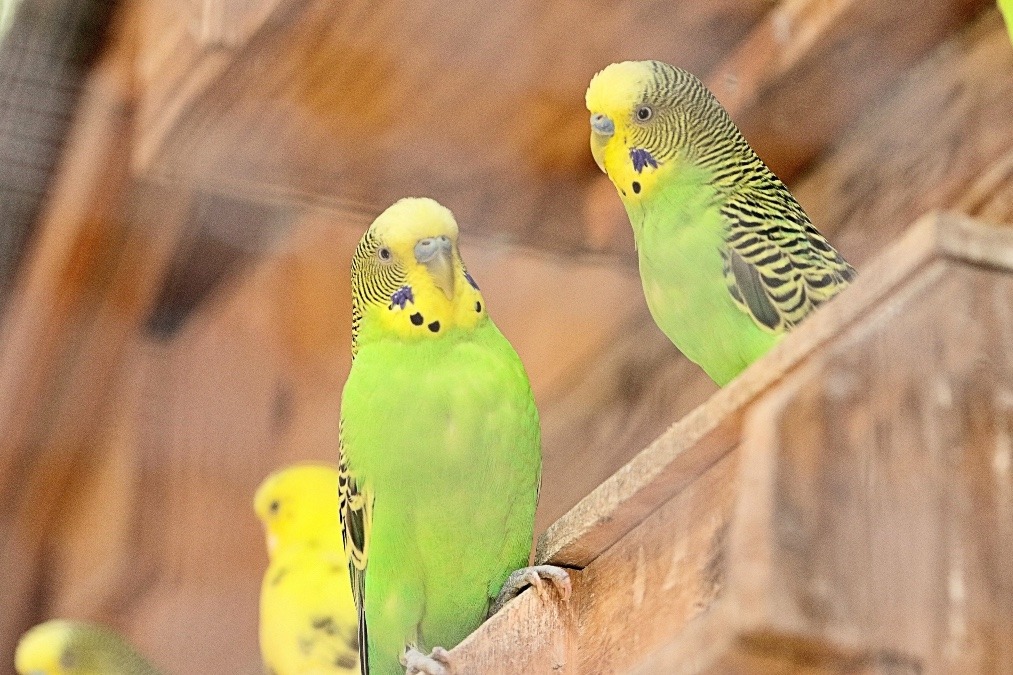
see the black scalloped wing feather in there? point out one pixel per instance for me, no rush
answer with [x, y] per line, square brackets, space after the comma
[777, 266]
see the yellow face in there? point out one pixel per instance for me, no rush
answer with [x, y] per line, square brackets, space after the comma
[616, 100]
[643, 114]
[408, 279]
[299, 504]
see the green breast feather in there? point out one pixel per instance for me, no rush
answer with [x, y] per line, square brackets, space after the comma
[441, 461]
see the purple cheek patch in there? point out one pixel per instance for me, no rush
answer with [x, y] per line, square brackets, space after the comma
[642, 159]
[402, 297]
[471, 281]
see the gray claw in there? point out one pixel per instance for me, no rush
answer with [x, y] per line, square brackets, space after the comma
[535, 577]
[417, 663]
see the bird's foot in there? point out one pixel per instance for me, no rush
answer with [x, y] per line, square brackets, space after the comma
[417, 663]
[534, 576]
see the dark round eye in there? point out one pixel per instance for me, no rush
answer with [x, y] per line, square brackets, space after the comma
[644, 113]
[383, 253]
[274, 506]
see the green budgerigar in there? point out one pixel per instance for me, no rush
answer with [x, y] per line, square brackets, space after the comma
[440, 447]
[66, 647]
[728, 259]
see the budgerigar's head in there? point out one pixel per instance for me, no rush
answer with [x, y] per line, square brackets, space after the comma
[44, 650]
[408, 279]
[298, 505]
[647, 116]
[61, 647]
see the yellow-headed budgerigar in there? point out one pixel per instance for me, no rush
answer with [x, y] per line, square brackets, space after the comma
[64, 647]
[307, 614]
[440, 447]
[728, 259]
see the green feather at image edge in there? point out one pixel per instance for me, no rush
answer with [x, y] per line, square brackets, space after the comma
[1006, 7]
[7, 8]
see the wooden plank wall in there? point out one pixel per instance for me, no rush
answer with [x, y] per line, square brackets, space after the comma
[76, 300]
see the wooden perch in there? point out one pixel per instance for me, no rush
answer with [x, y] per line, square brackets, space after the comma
[843, 504]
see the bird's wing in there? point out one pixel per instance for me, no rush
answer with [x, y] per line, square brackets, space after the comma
[777, 266]
[356, 508]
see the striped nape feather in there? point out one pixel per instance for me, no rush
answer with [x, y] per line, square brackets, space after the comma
[373, 281]
[690, 122]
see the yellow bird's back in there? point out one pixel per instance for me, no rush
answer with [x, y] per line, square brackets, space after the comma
[307, 614]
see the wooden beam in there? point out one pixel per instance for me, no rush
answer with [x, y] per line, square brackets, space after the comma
[217, 24]
[81, 237]
[990, 197]
[316, 100]
[810, 68]
[875, 517]
[189, 47]
[665, 575]
[532, 635]
[661, 577]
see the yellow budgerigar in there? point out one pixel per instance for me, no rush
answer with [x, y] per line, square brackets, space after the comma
[307, 614]
[63, 647]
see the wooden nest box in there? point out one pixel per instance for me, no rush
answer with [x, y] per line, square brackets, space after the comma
[843, 506]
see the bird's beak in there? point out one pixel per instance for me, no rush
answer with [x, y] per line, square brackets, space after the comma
[602, 130]
[602, 124]
[437, 254]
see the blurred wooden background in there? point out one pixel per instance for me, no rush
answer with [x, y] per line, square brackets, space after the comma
[175, 311]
